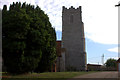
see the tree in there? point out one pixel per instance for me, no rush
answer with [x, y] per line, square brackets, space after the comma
[111, 63]
[49, 53]
[48, 46]
[27, 34]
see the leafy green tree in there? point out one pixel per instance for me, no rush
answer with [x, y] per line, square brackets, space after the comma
[111, 63]
[28, 38]
[48, 45]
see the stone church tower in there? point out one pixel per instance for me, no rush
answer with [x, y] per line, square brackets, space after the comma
[73, 39]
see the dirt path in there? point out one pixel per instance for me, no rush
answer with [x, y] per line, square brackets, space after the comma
[98, 75]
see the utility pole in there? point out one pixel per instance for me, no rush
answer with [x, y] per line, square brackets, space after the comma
[118, 25]
[103, 59]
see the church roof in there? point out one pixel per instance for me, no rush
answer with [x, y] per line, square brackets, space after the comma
[94, 65]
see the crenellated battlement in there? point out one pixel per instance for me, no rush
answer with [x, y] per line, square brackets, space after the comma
[71, 9]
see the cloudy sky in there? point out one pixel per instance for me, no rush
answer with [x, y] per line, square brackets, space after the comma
[100, 19]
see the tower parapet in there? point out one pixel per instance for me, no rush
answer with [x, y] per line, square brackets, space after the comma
[71, 9]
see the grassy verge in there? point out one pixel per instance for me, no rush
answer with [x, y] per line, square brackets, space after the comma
[45, 76]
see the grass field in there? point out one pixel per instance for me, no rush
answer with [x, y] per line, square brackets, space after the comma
[44, 76]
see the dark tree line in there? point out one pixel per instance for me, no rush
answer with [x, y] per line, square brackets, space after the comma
[29, 41]
[111, 63]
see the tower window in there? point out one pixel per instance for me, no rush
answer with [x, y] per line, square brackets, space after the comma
[71, 18]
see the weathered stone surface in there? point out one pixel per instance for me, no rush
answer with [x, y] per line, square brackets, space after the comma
[73, 39]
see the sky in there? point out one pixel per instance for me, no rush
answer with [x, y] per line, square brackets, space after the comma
[100, 19]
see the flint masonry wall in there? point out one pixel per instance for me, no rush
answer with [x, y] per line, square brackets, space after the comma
[73, 39]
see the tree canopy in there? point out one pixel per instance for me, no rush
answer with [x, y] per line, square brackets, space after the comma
[29, 40]
[111, 63]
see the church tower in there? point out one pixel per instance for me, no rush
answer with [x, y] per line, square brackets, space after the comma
[73, 39]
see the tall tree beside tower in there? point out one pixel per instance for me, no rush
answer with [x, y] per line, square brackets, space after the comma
[27, 38]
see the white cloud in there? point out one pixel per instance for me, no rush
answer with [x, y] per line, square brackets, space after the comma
[101, 21]
[100, 17]
[113, 49]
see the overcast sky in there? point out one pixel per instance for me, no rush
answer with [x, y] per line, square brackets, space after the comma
[100, 18]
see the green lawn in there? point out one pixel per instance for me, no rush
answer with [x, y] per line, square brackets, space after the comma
[46, 75]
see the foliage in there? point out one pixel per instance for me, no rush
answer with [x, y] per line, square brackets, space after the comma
[28, 38]
[111, 63]
[48, 49]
